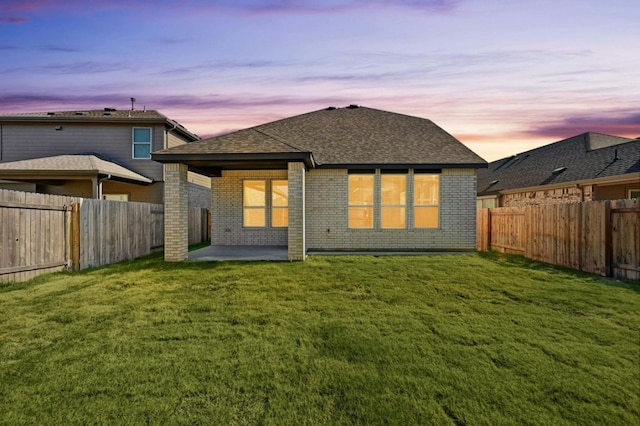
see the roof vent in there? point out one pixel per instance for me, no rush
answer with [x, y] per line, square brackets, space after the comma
[109, 109]
[331, 108]
[51, 113]
[493, 182]
[353, 106]
[79, 113]
[559, 170]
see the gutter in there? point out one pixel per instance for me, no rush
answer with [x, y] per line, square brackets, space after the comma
[1, 144]
[167, 132]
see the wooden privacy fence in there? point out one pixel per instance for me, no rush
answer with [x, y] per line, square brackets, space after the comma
[601, 237]
[42, 233]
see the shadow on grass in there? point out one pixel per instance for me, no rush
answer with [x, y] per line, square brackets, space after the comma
[519, 261]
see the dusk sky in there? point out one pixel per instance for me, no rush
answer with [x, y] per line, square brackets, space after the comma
[501, 76]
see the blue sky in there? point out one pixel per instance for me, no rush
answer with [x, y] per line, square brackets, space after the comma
[502, 76]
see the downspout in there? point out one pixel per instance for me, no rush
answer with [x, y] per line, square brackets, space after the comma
[166, 139]
[98, 189]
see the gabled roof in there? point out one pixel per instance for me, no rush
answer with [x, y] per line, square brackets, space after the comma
[338, 137]
[69, 165]
[579, 158]
[106, 115]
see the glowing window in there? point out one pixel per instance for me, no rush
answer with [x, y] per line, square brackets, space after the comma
[425, 200]
[361, 201]
[393, 201]
[279, 203]
[253, 202]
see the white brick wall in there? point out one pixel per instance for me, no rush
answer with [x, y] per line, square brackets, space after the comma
[226, 211]
[327, 227]
[176, 213]
[326, 214]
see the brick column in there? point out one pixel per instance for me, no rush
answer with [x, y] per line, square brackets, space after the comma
[176, 213]
[296, 240]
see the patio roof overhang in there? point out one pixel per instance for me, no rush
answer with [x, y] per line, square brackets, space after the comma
[212, 165]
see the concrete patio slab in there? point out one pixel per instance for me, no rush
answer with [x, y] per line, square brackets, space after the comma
[217, 253]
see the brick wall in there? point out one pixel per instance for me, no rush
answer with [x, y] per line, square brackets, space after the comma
[327, 227]
[176, 213]
[297, 213]
[226, 211]
[570, 194]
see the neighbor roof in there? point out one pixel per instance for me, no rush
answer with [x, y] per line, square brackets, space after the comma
[69, 165]
[337, 137]
[110, 115]
[583, 157]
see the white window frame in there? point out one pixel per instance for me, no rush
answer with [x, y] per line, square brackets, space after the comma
[393, 206]
[416, 205]
[274, 208]
[263, 207]
[369, 206]
[632, 190]
[134, 143]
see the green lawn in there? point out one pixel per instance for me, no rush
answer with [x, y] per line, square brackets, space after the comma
[446, 339]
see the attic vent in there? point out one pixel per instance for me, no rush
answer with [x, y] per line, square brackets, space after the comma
[80, 113]
[559, 170]
[331, 108]
[109, 109]
[353, 106]
[51, 113]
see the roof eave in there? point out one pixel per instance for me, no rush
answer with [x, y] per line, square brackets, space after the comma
[415, 166]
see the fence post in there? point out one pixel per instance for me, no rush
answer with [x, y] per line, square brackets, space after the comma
[608, 239]
[75, 237]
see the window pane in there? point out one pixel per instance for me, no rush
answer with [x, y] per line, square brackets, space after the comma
[393, 217]
[253, 193]
[279, 193]
[393, 190]
[142, 135]
[141, 151]
[426, 217]
[254, 217]
[426, 189]
[280, 217]
[360, 217]
[360, 190]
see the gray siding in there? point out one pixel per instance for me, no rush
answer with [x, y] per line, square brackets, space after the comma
[27, 140]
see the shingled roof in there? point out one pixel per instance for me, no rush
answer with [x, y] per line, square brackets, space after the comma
[338, 137]
[105, 115]
[578, 158]
[66, 165]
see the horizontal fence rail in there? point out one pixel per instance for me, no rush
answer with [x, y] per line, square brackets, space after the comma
[42, 233]
[600, 237]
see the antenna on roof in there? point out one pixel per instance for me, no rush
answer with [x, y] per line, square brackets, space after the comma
[133, 101]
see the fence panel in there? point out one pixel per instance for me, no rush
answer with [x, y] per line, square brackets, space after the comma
[625, 233]
[112, 231]
[600, 237]
[33, 234]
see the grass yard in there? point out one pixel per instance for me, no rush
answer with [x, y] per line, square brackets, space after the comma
[477, 339]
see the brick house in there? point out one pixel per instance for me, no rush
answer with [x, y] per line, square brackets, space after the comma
[345, 179]
[587, 167]
[102, 153]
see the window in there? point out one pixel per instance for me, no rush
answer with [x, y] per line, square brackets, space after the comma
[116, 197]
[279, 203]
[634, 193]
[253, 203]
[393, 201]
[425, 200]
[360, 201]
[141, 142]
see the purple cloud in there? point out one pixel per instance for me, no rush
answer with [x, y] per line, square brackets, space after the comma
[618, 123]
[16, 11]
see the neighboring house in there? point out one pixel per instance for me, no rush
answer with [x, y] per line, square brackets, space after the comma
[586, 167]
[345, 179]
[92, 154]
